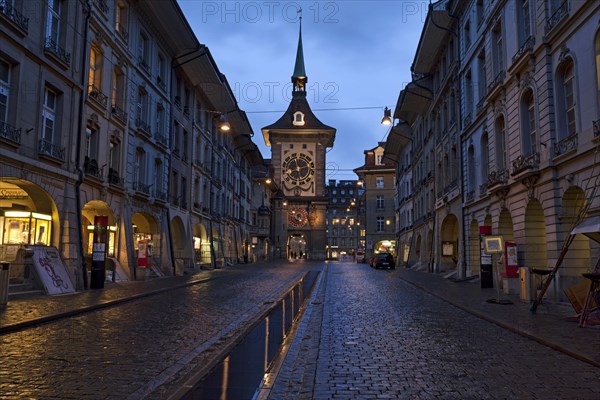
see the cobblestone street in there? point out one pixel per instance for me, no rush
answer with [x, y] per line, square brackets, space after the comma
[382, 338]
[139, 349]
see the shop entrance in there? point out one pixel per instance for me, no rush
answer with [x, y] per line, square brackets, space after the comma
[296, 247]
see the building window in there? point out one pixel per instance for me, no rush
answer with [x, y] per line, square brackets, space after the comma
[53, 22]
[524, 21]
[379, 182]
[118, 89]
[142, 107]
[484, 157]
[161, 76]
[528, 126]
[380, 224]
[467, 34]
[160, 121]
[49, 115]
[114, 156]
[566, 100]
[497, 52]
[140, 167]
[91, 143]
[4, 90]
[380, 202]
[144, 51]
[298, 118]
[121, 19]
[95, 71]
[471, 167]
[500, 144]
[469, 93]
[481, 70]
[158, 177]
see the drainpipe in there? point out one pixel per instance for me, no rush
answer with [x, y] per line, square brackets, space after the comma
[87, 11]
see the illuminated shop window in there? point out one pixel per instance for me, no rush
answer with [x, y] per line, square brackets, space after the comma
[25, 227]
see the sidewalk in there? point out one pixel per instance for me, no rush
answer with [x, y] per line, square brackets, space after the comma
[20, 313]
[547, 326]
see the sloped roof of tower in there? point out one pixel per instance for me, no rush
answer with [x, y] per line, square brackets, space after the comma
[309, 122]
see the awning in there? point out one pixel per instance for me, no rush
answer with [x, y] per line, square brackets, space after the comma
[398, 138]
[438, 25]
[589, 227]
[414, 100]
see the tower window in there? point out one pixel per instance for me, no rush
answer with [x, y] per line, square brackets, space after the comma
[298, 118]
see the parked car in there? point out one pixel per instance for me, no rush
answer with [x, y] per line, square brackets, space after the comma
[383, 260]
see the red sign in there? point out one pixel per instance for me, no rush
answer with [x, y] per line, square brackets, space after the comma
[142, 254]
[510, 259]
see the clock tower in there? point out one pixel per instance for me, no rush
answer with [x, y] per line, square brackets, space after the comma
[298, 142]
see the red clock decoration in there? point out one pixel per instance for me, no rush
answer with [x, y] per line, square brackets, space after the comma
[298, 217]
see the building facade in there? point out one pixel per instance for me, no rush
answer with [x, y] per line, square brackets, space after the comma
[343, 219]
[112, 109]
[379, 181]
[526, 132]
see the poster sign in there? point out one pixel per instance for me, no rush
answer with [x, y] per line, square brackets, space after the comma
[510, 257]
[98, 274]
[51, 270]
[487, 272]
[142, 254]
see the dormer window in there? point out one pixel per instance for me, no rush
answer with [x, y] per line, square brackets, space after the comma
[298, 118]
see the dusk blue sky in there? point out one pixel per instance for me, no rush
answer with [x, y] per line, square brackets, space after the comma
[357, 55]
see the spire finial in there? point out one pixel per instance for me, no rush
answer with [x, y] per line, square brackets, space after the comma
[299, 78]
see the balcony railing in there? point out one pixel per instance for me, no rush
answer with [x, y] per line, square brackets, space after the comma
[483, 189]
[161, 138]
[53, 48]
[496, 82]
[10, 133]
[497, 178]
[49, 149]
[122, 31]
[97, 96]
[102, 6]
[596, 128]
[90, 168]
[565, 145]
[523, 163]
[114, 178]
[470, 195]
[527, 47]
[143, 126]
[142, 63]
[161, 83]
[558, 15]
[118, 113]
[160, 195]
[12, 14]
[141, 187]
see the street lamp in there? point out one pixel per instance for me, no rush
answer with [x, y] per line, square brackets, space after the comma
[387, 117]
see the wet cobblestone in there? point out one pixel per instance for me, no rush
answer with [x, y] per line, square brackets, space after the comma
[138, 349]
[381, 338]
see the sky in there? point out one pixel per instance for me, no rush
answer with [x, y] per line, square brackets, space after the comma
[357, 56]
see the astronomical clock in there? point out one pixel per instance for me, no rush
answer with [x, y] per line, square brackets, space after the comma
[298, 169]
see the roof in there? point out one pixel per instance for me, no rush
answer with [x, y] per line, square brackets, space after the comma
[311, 122]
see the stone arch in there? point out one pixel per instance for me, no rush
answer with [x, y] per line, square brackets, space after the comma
[89, 211]
[578, 258]
[449, 245]
[201, 241]
[535, 249]
[474, 249]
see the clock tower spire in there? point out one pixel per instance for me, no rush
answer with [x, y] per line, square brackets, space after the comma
[299, 143]
[299, 77]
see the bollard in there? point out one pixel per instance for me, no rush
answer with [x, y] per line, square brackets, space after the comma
[4, 275]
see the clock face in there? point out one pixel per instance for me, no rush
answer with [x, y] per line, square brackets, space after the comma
[298, 217]
[298, 169]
